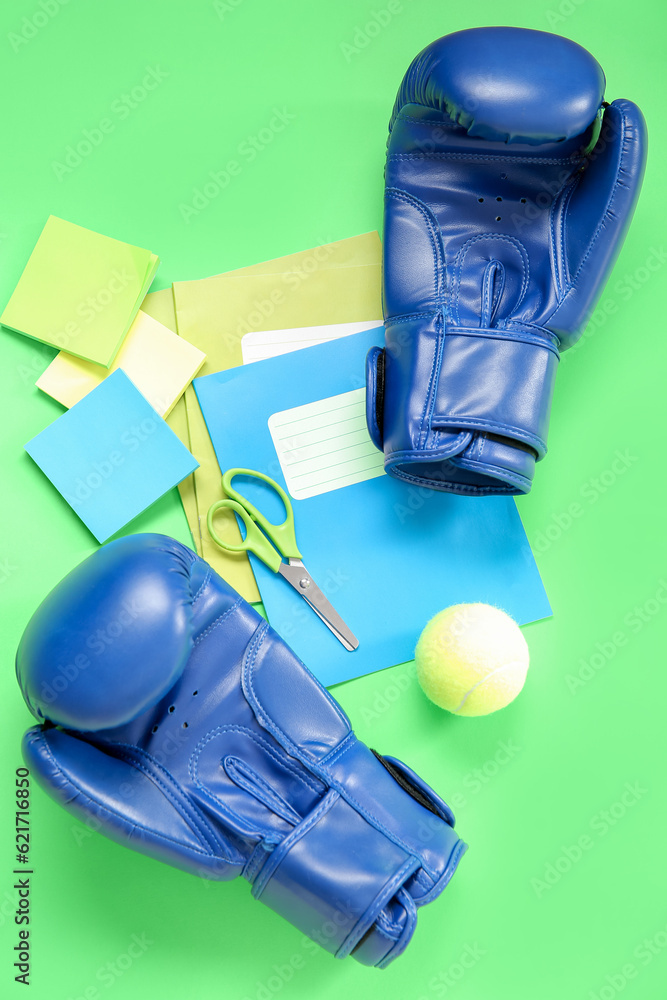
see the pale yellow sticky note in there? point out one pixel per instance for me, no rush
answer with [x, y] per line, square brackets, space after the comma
[178, 421]
[159, 363]
[160, 305]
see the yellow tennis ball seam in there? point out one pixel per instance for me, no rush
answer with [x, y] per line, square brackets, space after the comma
[501, 667]
[456, 646]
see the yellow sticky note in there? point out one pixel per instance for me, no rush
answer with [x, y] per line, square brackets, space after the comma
[160, 363]
[80, 291]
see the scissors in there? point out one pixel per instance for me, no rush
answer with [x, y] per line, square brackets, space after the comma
[272, 543]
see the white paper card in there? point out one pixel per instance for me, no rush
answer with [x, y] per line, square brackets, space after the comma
[262, 344]
[325, 445]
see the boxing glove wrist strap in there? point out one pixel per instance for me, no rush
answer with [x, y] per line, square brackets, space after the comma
[351, 868]
[498, 381]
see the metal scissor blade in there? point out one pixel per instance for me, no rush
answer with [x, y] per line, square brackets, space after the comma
[298, 576]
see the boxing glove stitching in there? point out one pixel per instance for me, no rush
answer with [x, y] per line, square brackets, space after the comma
[368, 918]
[433, 450]
[468, 463]
[566, 204]
[182, 553]
[429, 402]
[610, 200]
[408, 317]
[408, 930]
[453, 487]
[439, 261]
[207, 578]
[315, 766]
[338, 751]
[390, 927]
[202, 635]
[100, 807]
[437, 249]
[426, 882]
[460, 260]
[248, 664]
[253, 783]
[187, 809]
[257, 859]
[502, 333]
[558, 213]
[492, 291]
[482, 423]
[523, 326]
[441, 883]
[492, 427]
[233, 818]
[264, 744]
[489, 158]
[446, 122]
[374, 821]
[292, 838]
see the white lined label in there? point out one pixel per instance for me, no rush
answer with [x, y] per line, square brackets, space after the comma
[325, 445]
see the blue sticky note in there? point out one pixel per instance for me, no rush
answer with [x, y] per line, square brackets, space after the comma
[387, 554]
[111, 456]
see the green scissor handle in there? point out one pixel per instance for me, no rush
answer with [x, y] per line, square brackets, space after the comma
[254, 540]
[259, 542]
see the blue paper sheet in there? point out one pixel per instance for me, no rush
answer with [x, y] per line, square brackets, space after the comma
[388, 555]
[111, 455]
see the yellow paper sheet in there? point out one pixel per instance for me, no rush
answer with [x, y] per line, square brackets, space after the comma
[158, 362]
[160, 305]
[336, 283]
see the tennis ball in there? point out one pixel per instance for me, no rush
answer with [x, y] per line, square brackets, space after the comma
[471, 659]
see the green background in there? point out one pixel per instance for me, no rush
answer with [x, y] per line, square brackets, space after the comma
[595, 520]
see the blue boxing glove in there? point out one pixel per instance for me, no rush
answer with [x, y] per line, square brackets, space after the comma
[173, 715]
[510, 185]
